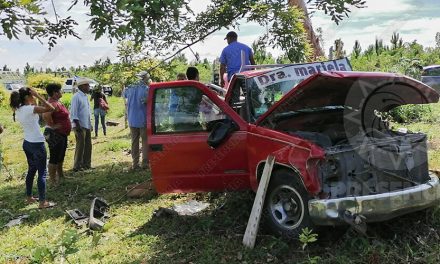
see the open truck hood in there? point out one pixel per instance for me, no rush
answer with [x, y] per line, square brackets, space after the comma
[362, 92]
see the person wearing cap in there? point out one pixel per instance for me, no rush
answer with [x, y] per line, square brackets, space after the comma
[230, 58]
[82, 126]
[136, 102]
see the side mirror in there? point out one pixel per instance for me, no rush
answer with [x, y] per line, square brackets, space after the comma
[220, 131]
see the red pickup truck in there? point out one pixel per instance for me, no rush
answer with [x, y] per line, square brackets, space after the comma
[336, 155]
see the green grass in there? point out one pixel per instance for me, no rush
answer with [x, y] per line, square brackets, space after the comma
[134, 235]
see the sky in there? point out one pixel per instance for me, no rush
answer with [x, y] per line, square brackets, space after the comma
[412, 19]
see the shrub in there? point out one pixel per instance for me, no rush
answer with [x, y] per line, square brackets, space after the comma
[66, 99]
[4, 96]
[412, 113]
[42, 79]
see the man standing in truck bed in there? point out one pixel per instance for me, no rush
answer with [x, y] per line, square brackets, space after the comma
[230, 59]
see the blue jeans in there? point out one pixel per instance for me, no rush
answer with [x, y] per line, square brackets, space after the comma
[36, 158]
[98, 112]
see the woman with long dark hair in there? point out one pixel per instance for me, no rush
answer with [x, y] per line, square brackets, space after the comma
[100, 107]
[57, 129]
[26, 113]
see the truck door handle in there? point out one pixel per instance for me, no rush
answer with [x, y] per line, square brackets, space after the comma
[156, 147]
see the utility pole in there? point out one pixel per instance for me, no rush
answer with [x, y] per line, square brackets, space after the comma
[314, 40]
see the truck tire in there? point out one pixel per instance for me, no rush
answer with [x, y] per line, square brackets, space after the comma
[286, 205]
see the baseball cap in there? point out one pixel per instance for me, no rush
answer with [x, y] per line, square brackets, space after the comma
[231, 34]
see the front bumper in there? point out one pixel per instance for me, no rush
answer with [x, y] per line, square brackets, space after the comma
[378, 207]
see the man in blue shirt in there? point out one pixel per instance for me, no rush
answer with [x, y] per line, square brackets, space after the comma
[230, 59]
[136, 96]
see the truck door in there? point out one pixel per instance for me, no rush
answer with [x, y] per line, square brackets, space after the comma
[180, 158]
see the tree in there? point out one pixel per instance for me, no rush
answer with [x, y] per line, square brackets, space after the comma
[289, 35]
[338, 49]
[369, 51]
[261, 56]
[378, 46]
[396, 41]
[169, 25]
[28, 69]
[28, 17]
[314, 40]
[437, 40]
[357, 49]
[128, 51]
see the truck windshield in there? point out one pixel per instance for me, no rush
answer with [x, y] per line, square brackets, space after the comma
[263, 97]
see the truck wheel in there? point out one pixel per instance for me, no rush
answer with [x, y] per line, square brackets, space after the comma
[286, 205]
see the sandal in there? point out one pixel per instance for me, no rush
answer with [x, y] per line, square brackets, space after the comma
[31, 200]
[46, 204]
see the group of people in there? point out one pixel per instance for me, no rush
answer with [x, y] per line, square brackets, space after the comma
[136, 95]
[59, 121]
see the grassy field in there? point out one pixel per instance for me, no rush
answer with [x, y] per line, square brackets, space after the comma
[134, 235]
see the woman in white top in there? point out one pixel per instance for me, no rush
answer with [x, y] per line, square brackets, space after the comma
[26, 112]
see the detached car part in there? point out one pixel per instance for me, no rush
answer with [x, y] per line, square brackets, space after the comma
[78, 217]
[98, 213]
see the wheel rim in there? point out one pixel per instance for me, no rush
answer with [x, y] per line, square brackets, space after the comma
[286, 207]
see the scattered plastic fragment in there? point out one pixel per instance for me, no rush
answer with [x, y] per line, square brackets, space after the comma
[190, 207]
[78, 217]
[16, 221]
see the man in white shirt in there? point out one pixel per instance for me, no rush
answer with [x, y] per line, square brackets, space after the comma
[81, 125]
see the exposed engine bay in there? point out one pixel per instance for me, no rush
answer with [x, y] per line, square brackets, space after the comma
[359, 160]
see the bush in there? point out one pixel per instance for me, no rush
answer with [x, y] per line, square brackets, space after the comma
[412, 113]
[42, 79]
[66, 99]
[4, 96]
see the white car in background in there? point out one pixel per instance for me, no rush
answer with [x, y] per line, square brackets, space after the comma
[68, 86]
[13, 86]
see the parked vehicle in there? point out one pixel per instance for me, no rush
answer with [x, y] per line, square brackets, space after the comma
[337, 160]
[107, 90]
[13, 86]
[431, 76]
[70, 86]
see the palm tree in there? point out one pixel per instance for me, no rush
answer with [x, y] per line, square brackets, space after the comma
[396, 41]
[357, 49]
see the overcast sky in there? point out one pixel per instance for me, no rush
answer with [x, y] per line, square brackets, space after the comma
[413, 19]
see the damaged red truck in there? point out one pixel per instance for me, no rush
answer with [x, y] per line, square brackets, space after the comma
[337, 159]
